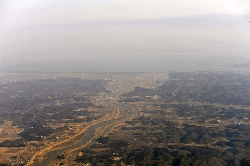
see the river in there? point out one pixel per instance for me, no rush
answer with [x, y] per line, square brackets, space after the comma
[87, 135]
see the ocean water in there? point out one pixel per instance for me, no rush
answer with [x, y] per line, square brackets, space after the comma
[159, 64]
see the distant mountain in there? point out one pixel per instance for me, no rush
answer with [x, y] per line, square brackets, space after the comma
[241, 65]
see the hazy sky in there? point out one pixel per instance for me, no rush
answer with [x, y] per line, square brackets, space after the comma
[33, 32]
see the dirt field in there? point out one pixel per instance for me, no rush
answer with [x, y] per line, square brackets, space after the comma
[8, 132]
[4, 156]
[6, 153]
